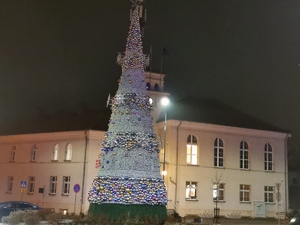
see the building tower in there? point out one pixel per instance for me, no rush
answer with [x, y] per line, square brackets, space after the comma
[129, 180]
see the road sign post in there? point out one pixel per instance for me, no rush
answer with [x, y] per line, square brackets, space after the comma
[23, 188]
[76, 189]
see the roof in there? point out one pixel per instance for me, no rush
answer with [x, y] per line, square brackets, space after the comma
[211, 111]
[88, 120]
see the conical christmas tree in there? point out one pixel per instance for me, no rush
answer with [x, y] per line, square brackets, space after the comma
[129, 180]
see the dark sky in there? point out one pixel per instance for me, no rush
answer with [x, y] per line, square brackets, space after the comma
[56, 55]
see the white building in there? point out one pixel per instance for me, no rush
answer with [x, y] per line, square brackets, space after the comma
[210, 148]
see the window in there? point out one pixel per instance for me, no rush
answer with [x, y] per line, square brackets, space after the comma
[13, 154]
[191, 190]
[148, 86]
[244, 155]
[268, 157]
[66, 185]
[269, 193]
[53, 184]
[218, 192]
[192, 150]
[33, 153]
[31, 182]
[55, 153]
[10, 180]
[218, 153]
[244, 193]
[68, 152]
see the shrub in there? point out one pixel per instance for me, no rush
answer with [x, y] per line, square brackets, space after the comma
[43, 213]
[31, 217]
[15, 217]
[54, 218]
[96, 220]
[173, 219]
[5, 219]
[292, 213]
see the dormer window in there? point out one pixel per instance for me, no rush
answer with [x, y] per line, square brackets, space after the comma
[33, 153]
[55, 153]
[13, 154]
[68, 152]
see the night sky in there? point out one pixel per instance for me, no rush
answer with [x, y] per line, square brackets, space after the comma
[57, 55]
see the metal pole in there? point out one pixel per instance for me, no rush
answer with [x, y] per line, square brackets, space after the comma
[75, 203]
[165, 134]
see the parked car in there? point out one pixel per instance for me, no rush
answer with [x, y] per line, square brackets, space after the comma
[295, 220]
[7, 207]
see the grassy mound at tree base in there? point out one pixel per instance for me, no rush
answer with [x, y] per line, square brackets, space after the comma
[116, 211]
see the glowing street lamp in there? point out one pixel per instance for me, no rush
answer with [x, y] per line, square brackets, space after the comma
[165, 101]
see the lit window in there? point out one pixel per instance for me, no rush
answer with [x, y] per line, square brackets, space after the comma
[66, 185]
[13, 154]
[33, 153]
[68, 152]
[191, 190]
[192, 150]
[10, 180]
[244, 155]
[53, 184]
[55, 153]
[269, 193]
[218, 192]
[31, 182]
[218, 153]
[268, 157]
[244, 193]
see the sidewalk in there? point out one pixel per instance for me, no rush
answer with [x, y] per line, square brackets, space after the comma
[226, 221]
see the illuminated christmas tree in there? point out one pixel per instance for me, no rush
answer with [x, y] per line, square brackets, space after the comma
[129, 180]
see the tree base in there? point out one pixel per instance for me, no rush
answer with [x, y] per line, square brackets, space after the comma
[116, 211]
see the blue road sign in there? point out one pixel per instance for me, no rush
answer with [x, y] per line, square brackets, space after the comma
[76, 188]
[23, 184]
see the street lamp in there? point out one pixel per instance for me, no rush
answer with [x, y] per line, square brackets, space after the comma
[165, 101]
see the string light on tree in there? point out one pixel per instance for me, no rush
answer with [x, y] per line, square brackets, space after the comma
[129, 180]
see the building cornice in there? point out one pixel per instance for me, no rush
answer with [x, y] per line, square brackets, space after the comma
[52, 136]
[224, 129]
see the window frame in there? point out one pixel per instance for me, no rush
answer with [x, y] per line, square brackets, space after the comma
[192, 186]
[33, 153]
[68, 152]
[244, 155]
[218, 149]
[55, 152]
[269, 194]
[219, 190]
[13, 154]
[53, 185]
[10, 180]
[268, 157]
[31, 184]
[66, 183]
[191, 146]
[243, 196]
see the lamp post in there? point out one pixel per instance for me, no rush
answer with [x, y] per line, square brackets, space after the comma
[165, 101]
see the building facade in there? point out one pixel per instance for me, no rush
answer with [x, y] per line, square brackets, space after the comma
[44, 168]
[238, 167]
[241, 171]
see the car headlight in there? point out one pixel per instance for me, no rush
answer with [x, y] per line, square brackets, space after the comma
[293, 220]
